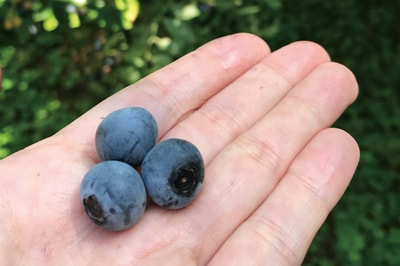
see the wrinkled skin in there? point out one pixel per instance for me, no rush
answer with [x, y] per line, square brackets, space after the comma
[274, 167]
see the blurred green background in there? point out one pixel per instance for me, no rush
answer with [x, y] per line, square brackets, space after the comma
[59, 58]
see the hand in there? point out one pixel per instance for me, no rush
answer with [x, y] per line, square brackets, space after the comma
[274, 168]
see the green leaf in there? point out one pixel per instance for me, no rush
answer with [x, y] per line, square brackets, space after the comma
[188, 12]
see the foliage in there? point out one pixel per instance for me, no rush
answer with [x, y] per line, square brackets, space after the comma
[59, 58]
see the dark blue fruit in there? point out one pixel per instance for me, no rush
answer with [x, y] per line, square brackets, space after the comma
[113, 195]
[173, 173]
[126, 135]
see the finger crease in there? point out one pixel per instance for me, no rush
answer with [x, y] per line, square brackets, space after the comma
[315, 188]
[272, 233]
[228, 119]
[167, 99]
[279, 70]
[261, 151]
[300, 102]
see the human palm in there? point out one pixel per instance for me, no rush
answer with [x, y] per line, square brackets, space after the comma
[274, 168]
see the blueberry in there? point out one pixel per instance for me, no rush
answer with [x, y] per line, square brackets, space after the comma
[126, 135]
[113, 195]
[173, 173]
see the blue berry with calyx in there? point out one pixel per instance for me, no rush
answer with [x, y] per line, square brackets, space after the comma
[173, 173]
[126, 135]
[113, 195]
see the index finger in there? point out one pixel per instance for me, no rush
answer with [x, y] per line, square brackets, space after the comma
[179, 88]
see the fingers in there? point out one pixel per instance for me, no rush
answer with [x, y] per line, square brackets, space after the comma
[247, 170]
[181, 87]
[242, 103]
[280, 231]
[242, 175]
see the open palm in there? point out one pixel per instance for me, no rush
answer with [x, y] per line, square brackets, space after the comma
[274, 168]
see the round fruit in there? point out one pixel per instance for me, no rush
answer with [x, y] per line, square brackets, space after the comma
[173, 173]
[113, 195]
[126, 135]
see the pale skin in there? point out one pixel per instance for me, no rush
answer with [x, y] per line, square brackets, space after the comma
[274, 167]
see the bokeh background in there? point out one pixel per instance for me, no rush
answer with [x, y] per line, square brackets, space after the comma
[59, 58]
